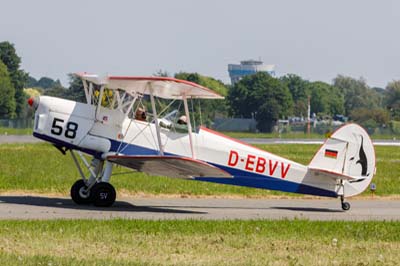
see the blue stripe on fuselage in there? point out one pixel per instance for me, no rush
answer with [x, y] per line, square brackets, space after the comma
[248, 179]
[130, 149]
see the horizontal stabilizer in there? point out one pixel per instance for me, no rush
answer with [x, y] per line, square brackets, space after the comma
[171, 166]
[335, 175]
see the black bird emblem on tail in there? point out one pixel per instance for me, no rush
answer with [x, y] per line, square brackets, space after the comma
[363, 159]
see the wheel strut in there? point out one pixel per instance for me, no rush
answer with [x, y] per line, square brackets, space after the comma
[96, 189]
[345, 205]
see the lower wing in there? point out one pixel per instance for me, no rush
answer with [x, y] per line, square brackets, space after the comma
[171, 166]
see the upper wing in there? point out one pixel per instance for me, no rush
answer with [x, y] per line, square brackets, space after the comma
[164, 87]
[171, 166]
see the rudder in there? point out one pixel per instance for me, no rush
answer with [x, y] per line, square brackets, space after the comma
[350, 152]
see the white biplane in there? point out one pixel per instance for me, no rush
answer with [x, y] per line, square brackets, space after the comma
[106, 128]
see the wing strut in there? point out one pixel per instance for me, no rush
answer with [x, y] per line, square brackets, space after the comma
[189, 125]
[85, 88]
[153, 106]
[98, 107]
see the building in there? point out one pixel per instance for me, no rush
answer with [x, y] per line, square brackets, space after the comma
[248, 67]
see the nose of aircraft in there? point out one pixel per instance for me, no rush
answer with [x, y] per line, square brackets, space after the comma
[30, 101]
[33, 102]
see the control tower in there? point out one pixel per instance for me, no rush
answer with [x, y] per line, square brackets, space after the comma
[248, 67]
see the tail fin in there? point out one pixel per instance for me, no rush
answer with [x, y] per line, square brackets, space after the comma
[348, 155]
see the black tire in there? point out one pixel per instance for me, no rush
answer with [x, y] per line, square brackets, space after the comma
[78, 195]
[345, 206]
[103, 194]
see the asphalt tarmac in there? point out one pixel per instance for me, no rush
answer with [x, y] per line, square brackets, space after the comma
[8, 139]
[40, 207]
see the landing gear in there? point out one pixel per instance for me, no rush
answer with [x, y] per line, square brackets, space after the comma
[345, 205]
[96, 189]
[80, 193]
[103, 194]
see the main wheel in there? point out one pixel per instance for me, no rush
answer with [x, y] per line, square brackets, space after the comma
[345, 206]
[79, 194]
[103, 194]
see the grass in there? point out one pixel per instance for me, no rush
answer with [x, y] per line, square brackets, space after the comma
[15, 131]
[41, 168]
[189, 242]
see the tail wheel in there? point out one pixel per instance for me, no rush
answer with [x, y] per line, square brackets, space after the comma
[79, 193]
[103, 194]
[345, 206]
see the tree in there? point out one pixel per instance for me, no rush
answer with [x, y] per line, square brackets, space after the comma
[393, 99]
[325, 99]
[7, 92]
[18, 77]
[9, 56]
[32, 92]
[44, 83]
[238, 100]
[75, 90]
[161, 73]
[31, 82]
[262, 96]
[47, 83]
[57, 91]
[381, 93]
[208, 82]
[370, 118]
[209, 108]
[356, 93]
[299, 88]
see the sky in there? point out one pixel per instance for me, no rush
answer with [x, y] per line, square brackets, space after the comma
[316, 39]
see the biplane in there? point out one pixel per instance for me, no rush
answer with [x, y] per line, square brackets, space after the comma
[113, 127]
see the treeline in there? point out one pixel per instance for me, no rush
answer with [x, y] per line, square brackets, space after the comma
[268, 99]
[259, 96]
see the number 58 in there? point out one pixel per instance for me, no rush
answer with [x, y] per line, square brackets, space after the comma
[70, 131]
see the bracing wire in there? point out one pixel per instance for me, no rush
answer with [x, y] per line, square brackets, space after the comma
[201, 120]
[194, 118]
[152, 121]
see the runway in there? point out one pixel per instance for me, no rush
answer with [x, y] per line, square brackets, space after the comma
[35, 207]
[9, 139]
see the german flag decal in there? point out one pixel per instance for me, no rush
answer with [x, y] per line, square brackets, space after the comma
[331, 154]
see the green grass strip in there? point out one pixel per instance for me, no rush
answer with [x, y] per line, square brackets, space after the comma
[189, 242]
[15, 131]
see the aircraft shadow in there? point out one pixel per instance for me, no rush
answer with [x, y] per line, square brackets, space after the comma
[219, 207]
[303, 209]
[62, 203]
